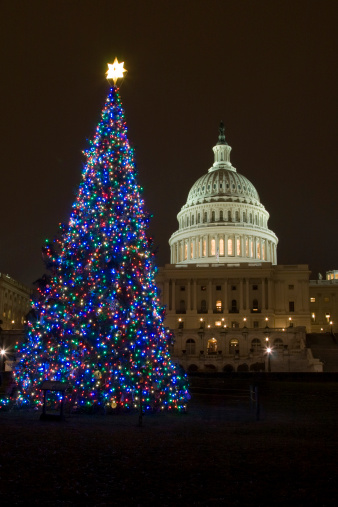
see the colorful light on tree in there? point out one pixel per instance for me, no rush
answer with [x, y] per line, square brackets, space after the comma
[96, 320]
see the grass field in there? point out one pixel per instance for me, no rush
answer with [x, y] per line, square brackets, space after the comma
[215, 454]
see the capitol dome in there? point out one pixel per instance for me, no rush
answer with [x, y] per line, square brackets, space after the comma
[223, 219]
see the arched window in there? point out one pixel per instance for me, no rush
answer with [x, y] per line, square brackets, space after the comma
[212, 346]
[256, 344]
[213, 247]
[230, 247]
[233, 346]
[244, 216]
[205, 217]
[278, 344]
[212, 216]
[238, 247]
[190, 346]
[192, 220]
[187, 221]
[221, 216]
[250, 218]
[237, 216]
[199, 218]
[258, 250]
[229, 216]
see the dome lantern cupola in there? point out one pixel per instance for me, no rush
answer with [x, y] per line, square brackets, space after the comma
[222, 152]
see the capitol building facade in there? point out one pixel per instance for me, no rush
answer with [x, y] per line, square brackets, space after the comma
[230, 305]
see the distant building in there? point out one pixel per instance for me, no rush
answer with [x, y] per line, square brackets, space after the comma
[14, 306]
[14, 302]
[227, 300]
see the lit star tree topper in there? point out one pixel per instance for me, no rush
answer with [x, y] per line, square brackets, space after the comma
[115, 70]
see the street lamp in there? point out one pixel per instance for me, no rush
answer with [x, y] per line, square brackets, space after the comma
[269, 350]
[2, 359]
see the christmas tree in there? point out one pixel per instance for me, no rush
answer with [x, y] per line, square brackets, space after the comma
[96, 321]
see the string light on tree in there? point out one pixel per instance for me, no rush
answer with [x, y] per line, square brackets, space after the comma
[96, 320]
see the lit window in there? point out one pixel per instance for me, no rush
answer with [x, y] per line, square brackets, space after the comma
[251, 248]
[191, 250]
[258, 250]
[247, 247]
[230, 247]
[233, 345]
[213, 247]
[238, 246]
[313, 317]
[185, 251]
[263, 251]
[219, 306]
[221, 246]
[212, 346]
[204, 253]
[218, 323]
[312, 300]
[327, 316]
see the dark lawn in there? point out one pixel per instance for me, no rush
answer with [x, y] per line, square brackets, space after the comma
[216, 454]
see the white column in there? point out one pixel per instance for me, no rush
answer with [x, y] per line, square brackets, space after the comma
[225, 296]
[247, 282]
[241, 307]
[210, 297]
[189, 297]
[263, 294]
[194, 296]
[173, 290]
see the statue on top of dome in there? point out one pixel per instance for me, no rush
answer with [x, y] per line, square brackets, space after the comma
[221, 136]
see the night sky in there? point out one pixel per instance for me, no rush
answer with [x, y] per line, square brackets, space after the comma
[268, 69]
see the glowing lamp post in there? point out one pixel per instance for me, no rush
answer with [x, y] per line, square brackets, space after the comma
[268, 351]
[2, 359]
